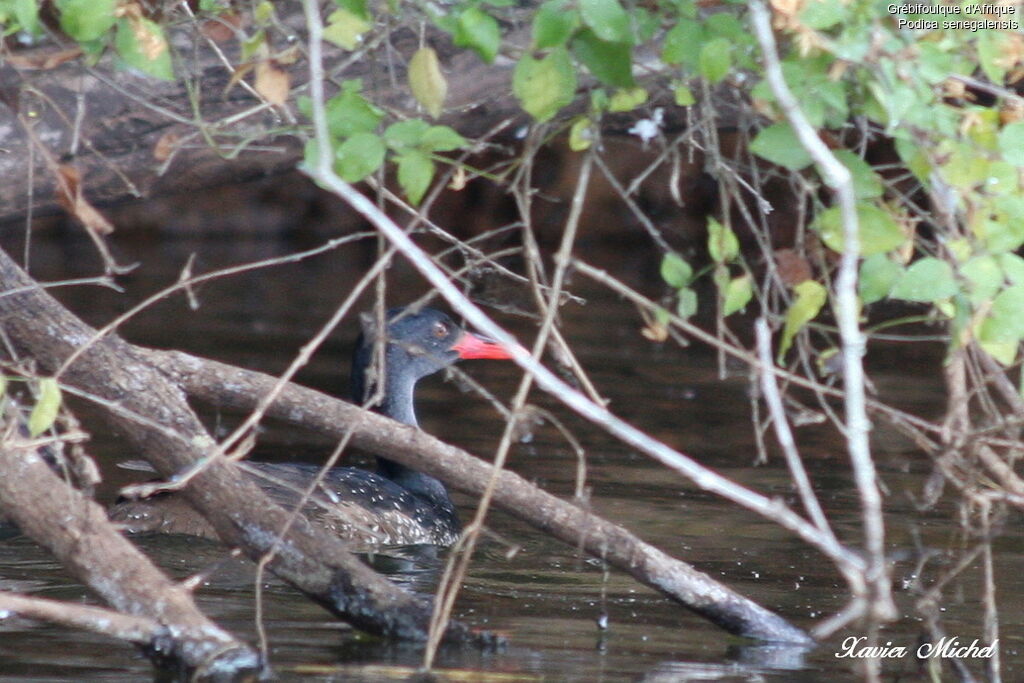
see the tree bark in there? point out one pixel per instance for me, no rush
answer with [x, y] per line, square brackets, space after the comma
[76, 530]
[157, 420]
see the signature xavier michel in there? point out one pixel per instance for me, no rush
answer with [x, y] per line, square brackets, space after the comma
[854, 647]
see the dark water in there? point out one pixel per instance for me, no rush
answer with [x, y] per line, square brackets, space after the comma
[545, 597]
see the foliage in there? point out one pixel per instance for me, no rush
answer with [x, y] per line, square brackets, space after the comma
[961, 140]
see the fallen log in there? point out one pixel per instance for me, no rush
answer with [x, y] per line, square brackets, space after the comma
[228, 386]
[142, 403]
[159, 614]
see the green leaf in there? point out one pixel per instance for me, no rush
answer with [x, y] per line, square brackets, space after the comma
[1011, 143]
[346, 28]
[779, 144]
[879, 232]
[627, 99]
[810, 297]
[426, 81]
[44, 413]
[992, 48]
[478, 30]
[1002, 178]
[1001, 332]
[1007, 309]
[915, 159]
[356, 7]
[878, 275]
[608, 19]
[985, 278]
[684, 96]
[822, 14]
[722, 243]
[926, 280]
[611, 63]
[683, 43]
[738, 294]
[1000, 236]
[359, 156]
[715, 59]
[253, 45]
[415, 171]
[645, 24]
[1013, 267]
[866, 183]
[348, 112]
[310, 154]
[964, 168]
[27, 14]
[675, 270]
[263, 13]
[726, 25]
[581, 135]
[553, 23]
[406, 134]
[441, 139]
[544, 86]
[1003, 351]
[87, 20]
[142, 45]
[688, 304]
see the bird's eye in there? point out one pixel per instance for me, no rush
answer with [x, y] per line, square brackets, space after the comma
[440, 330]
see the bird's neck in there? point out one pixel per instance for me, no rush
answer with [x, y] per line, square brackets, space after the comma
[397, 403]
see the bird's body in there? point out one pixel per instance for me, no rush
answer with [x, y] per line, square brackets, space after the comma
[396, 505]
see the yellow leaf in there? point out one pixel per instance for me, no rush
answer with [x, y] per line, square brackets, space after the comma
[428, 84]
[345, 29]
[272, 82]
[44, 414]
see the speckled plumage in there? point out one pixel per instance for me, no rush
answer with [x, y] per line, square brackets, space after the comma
[357, 505]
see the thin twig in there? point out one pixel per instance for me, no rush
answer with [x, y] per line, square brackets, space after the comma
[847, 310]
[782, 431]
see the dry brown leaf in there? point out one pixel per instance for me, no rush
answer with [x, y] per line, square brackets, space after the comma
[1011, 111]
[288, 56]
[164, 147]
[221, 29]
[655, 331]
[69, 196]
[44, 60]
[458, 179]
[792, 267]
[272, 82]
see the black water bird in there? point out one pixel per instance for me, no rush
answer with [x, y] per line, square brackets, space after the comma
[396, 505]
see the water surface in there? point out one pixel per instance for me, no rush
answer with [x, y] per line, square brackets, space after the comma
[540, 593]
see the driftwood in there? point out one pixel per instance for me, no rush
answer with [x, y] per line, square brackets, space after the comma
[159, 614]
[143, 631]
[228, 386]
[153, 414]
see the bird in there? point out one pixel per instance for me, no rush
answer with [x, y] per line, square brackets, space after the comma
[394, 506]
